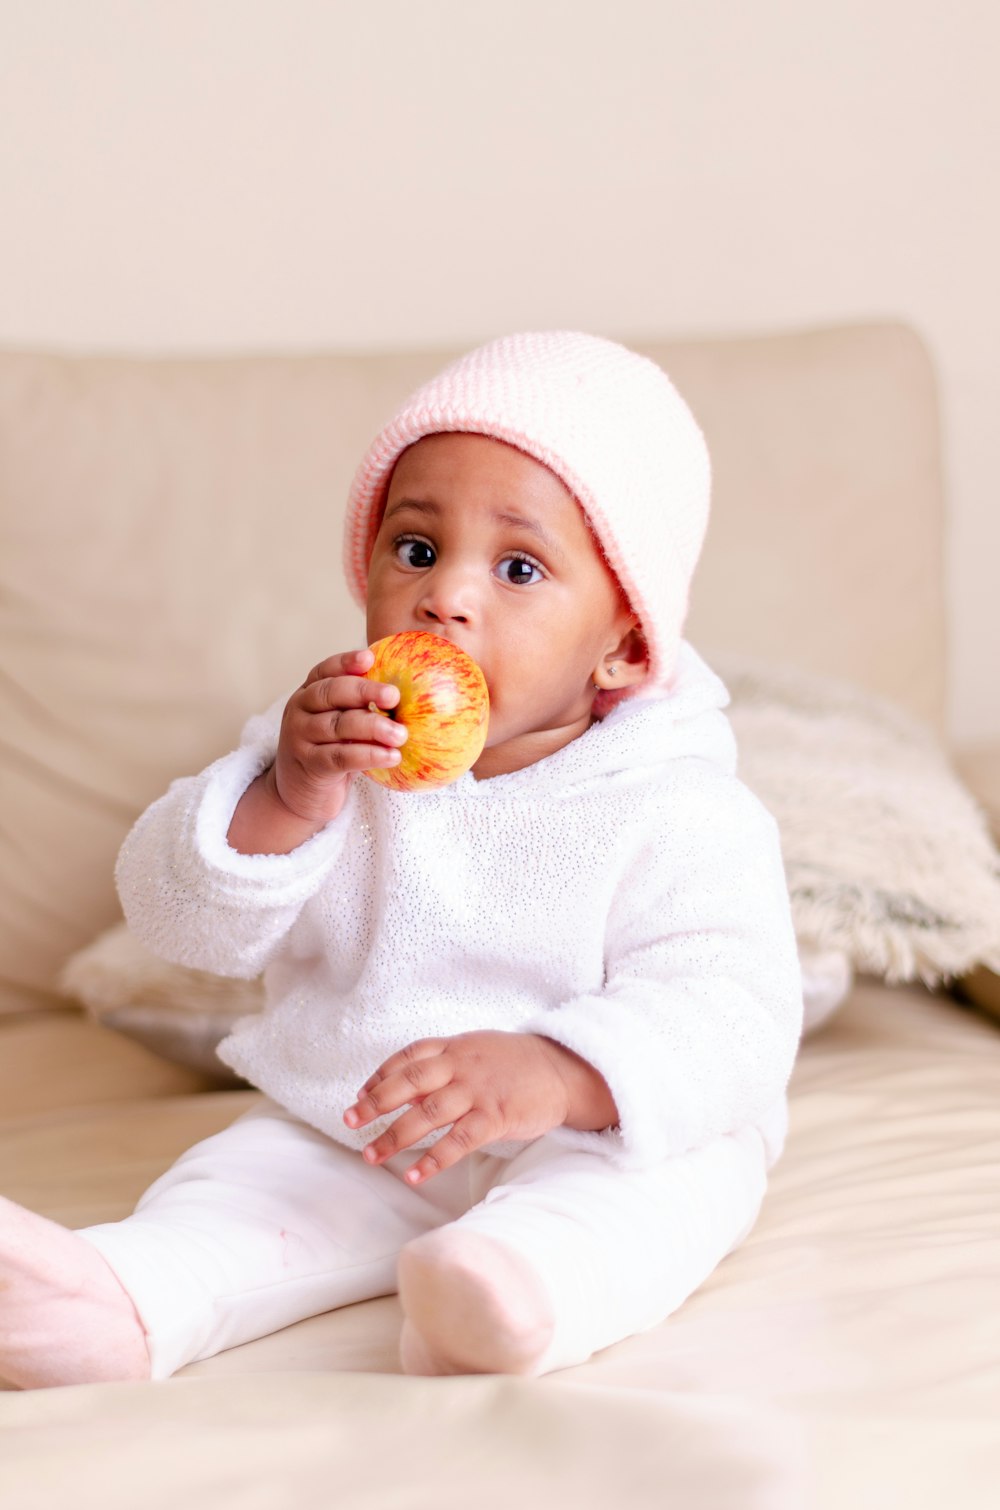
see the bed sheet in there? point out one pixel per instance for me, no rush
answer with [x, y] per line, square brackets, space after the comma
[847, 1353]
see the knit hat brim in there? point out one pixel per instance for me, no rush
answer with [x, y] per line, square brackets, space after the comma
[613, 429]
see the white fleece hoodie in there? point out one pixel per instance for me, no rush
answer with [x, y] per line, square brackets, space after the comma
[625, 896]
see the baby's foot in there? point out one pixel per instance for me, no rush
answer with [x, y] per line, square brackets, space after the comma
[64, 1316]
[472, 1306]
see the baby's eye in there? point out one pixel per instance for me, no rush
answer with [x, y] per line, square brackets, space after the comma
[521, 571]
[411, 551]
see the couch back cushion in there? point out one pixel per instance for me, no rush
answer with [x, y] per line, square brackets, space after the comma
[170, 562]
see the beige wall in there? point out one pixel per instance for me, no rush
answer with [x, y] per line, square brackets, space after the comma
[224, 174]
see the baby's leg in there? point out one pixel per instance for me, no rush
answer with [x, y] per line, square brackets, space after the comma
[249, 1231]
[64, 1316]
[568, 1254]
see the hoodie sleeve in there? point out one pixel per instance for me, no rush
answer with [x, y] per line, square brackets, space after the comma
[698, 1024]
[194, 900]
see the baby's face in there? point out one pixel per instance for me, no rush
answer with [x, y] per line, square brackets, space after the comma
[485, 546]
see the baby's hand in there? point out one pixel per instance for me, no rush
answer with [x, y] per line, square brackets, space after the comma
[489, 1085]
[328, 734]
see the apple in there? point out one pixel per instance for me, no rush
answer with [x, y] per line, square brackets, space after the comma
[443, 704]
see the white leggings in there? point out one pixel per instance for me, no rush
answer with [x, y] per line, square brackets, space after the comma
[270, 1221]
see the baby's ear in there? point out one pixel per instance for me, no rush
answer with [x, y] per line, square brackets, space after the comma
[625, 665]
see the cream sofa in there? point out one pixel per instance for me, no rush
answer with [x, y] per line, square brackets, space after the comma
[170, 561]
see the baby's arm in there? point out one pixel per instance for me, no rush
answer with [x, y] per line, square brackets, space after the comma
[491, 1086]
[214, 874]
[696, 1029]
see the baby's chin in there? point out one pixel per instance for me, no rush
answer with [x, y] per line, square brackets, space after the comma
[535, 740]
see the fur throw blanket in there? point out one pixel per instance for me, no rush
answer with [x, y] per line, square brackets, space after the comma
[887, 855]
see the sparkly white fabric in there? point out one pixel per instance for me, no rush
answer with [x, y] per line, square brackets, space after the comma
[625, 896]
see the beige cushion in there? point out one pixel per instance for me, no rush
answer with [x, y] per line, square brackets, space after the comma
[825, 546]
[170, 544]
[53, 1061]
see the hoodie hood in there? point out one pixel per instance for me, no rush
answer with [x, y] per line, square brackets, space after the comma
[641, 735]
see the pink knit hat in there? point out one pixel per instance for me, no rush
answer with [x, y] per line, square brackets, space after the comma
[609, 423]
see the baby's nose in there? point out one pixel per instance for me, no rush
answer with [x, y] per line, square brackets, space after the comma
[437, 613]
[448, 600]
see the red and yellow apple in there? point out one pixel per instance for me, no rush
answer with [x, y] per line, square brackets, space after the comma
[443, 704]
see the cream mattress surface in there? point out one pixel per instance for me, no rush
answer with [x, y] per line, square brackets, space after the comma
[847, 1355]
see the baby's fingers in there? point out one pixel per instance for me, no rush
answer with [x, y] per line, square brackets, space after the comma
[404, 1077]
[440, 1109]
[339, 757]
[348, 663]
[334, 693]
[352, 726]
[405, 1061]
[468, 1134]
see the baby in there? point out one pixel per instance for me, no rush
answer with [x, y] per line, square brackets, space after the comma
[526, 1039]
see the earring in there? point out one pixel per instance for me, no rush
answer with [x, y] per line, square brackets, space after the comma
[612, 670]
